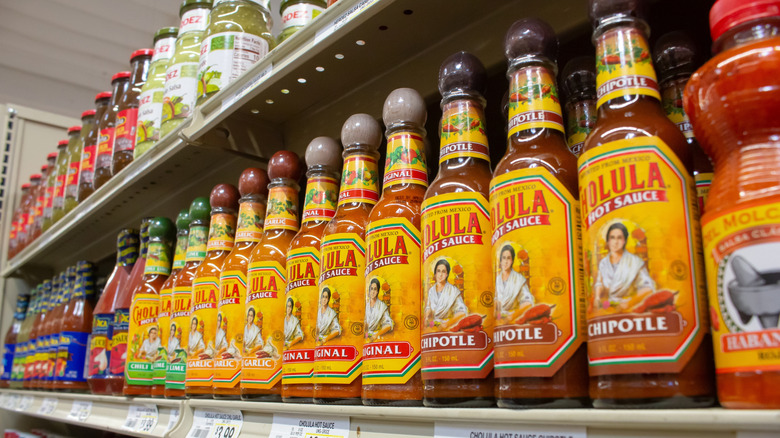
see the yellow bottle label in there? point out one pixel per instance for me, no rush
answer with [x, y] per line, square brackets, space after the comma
[533, 101]
[391, 350]
[672, 101]
[359, 180]
[229, 341]
[180, 253]
[321, 195]
[703, 183]
[163, 323]
[463, 131]
[250, 222]
[300, 317]
[222, 232]
[458, 298]
[178, 335]
[643, 268]
[196, 246]
[144, 344]
[264, 338]
[203, 327]
[537, 263]
[282, 212]
[624, 66]
[157, 259]
[405, 162]
[741, 248]
[339, 352]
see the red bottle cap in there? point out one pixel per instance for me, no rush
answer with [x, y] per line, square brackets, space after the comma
[25, 186]
[44, 167]
[74, 129]
[103, 95]
[141, 52]
[87, 113]
[52, 155]
[36, 176]
[120, 75]
[726, 14]
[62, 143]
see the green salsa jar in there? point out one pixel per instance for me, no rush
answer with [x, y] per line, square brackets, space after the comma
[150, 101]
[181, 83]
[298, 13]
[237, 37]
[61, 175]
[75, 144]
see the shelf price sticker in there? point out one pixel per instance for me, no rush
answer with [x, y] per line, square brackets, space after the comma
[80, 411]
[25, 403]
[223, 423]
[12, 402]
[48, 406]
[246, 88]
[288, 426]
[141, 418]
[450, 429]
[172, 419]
[342, 19]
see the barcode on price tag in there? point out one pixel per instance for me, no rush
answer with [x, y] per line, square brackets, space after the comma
[48, 405]
[223, 423]
[141, 418]
[80, 411]
[287, 426]
[467, 430]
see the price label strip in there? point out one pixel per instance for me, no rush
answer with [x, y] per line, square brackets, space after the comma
[223, 423]
[173, 419]
[141, 418]
[48, 406]
[343, 19]
[13, 402]
[247, 87]
[288, 426]
[451, 429]
[80, 411]
[25, 403]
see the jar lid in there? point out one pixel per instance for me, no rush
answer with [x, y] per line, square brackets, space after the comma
[36, 176]
[44, 167]
[25, 186]
[141, 52]
[166, 32]
[62, 143]
[51, 155]
[74, 129]
[88, 113]
[121, 75]
[103, 95]
[726, 14]
[161, 227]
[199, 3]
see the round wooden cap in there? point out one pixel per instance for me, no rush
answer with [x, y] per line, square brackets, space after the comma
[361, 129]
[285, 164]
[530, 37]
[323, 151]
[253, 181]
[462, 71]
[404, 105]
[224, 196]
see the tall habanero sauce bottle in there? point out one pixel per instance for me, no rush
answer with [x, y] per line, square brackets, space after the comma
[541, 358]
[457, 295]
[648, 333]
[261, 363]
[732, 101]
[323, 157]
[391, 348]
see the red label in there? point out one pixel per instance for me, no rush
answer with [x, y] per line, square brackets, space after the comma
[126, 123]
[106, 142]
[59, 190]
[88, 158]
[49, 197]
[73, 174]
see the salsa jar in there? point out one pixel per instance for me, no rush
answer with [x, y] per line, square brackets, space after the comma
[127, 111]
[298, 13]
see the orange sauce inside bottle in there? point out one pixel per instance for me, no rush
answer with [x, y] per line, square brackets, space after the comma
[77, 321]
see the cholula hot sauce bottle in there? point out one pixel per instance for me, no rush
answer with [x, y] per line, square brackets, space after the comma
[204, 318]
[579, 86]
[648, 342]
[541, 358]
[338, 357]
[323, 157]
[675, 58]
[457, 307]
[732, 101]
[261, 373]
[231, 320]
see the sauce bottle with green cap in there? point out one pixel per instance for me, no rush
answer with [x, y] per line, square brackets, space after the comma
[75, 326]
[144, 344]
[120, 83]
[578, 81]
[75, 145]
[58, 193]
[298, 13]
[150, 101]
[89, 152]
[127, 111]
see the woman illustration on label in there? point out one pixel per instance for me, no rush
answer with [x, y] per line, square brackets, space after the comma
[292, 326]
[327, 320]
[253, 338]
[174, 341]
[150, 345]
[221, 339]
[195, 343]
[378, 321]
[621, 273]
[444, 305]
[512, 290]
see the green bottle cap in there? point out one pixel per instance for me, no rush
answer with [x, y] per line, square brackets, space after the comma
[200, 209]
[166, 32]
[183, 220]
[161, 228]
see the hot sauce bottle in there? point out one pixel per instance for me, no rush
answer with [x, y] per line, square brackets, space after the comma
[47, 338]
[541, 358]
[98, 372]
[23, 338]
[579, 87]
[457, 346]
[76, 325]
[391, 349]
[55, 320]
[30, 359]
[181, 299]
[29, 206]
[144, 344]
[37, 215]
[732, 101]
[63, 172]
[647, 328]
[89, 152]
[167, 331]
[51, 170]
[205, 318]
[71, 179]
[120, 82]
[338, 356]
[323, 157]
[57, 195]
[263, 341]
[88, 134]
[51, 184]
[10, 341]
[675, 59]
[231, 319]
[127, 111]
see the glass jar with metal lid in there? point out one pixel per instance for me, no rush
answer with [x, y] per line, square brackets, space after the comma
[298, 13]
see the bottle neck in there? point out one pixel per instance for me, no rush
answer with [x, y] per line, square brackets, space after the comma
[158, 261]
[222, 231]
[22, 303]
[119, 88]
[359, 177]
[534, 104]
[180, 254]
[138, 72]
[322, 190]
[405, 162]
[463, 133]
[251, 213]
[748, 33]
[282, 209]
[672, 102]
[197, 241]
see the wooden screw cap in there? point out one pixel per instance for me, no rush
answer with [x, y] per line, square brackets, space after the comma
[323, 151]
[224, 196]
[200, 210]
[253, 181]
[600, 9]
[183, 220]
[530, 37]
[361, 129]
[462, 71]
[285, 164]
[161, 227]
[404, 105]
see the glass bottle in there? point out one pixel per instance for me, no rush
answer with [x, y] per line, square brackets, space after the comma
[40, 201]
[229, 340]
[88, 153]
[298, 13]
[57, 197]
[303, 270]
[150, 101]
[120, 83]
[75, 145]
[50, 184]
[27, 209]
[732, 101]
[127, 111]
[54, 322]
[11, 336]
[29, 332]
[76, 327]
[261, 373]
[23, 338]
[579, 87]
[181, 80]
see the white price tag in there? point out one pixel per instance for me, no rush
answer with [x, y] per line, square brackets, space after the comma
[13, 401]
[247, 87]
[223, 423]
[756, 434]
[25, 403]
[141, 418]
[287, 426]
[172, 419]
[80, 411]
[48, 405]
[484, 430]
[343, 19]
